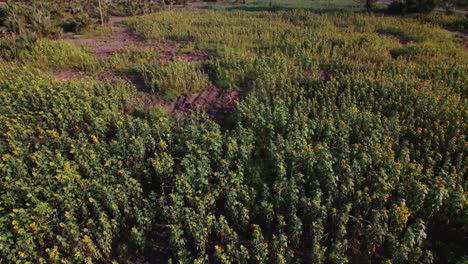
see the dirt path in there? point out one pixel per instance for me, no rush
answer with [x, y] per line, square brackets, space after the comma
[106, 43]
[217, 103]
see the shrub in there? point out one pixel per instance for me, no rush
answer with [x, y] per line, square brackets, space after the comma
[412, 6]
[35, 17]
[49, 55]
[129, 8]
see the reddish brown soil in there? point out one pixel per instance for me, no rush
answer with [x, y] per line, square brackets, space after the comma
[217, 103]
[114, 20]
[106, 44]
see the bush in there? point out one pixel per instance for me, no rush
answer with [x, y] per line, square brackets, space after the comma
[49, 55]
[48, 18]
[412, 6]
[77, 23]
[397, 7]
[35, 17]
[130, 8]
[12, 45]
[450, 22]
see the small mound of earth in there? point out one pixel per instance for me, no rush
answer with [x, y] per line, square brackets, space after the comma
[217, 103]
[324, 76]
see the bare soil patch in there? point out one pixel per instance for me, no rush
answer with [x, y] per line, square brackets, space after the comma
[106, 44]
[217, 103]
[116, 19]
[324, 75]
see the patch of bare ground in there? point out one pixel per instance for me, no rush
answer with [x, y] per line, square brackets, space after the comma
[116, 19]
[136, 80]
[216, 103]
[160, 237]
[106, 44]
[321, 75]
[324, 75]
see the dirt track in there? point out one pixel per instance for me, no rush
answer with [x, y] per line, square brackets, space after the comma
[217, 103]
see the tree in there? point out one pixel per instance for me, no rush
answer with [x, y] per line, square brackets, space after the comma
[370, 3]
[100, 12]
[420, 5]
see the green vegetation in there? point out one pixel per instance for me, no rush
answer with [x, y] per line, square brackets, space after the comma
[349, 145]
[57, 55]
[425, 6]
[173, 78]
[65, 192]
[317, 5]
[451, 22]
[51, 17]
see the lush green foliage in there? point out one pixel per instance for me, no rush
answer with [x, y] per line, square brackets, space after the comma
[57, 55]
[34, 17]
[171, 79]
[50, 17]
[316, 5]
[451, 22]
[65, 191]
[350, 146]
